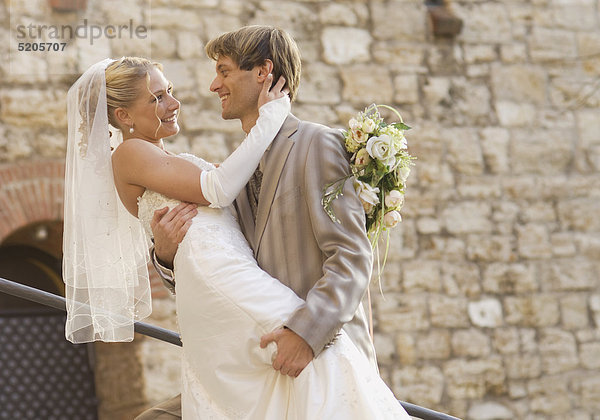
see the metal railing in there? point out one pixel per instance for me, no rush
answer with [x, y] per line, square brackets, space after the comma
[162, 334]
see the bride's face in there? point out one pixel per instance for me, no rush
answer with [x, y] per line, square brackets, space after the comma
[154, 113]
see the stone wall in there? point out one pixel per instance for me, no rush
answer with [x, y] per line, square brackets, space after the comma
[491, 293]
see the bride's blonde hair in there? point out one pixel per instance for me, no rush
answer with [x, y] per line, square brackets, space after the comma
[122, 83]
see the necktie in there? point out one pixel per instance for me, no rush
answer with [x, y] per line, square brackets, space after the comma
[254, 189]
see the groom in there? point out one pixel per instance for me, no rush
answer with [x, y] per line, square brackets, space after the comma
[327, 264]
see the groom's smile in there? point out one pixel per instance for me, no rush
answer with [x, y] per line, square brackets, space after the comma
[238, 91]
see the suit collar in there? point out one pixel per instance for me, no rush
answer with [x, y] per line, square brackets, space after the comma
[274, 162]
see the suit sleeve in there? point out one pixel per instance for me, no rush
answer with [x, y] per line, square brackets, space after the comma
[334, 299]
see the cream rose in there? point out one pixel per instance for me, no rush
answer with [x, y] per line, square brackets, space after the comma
[391, 218]
[359, 136]
[354, 124]
[382, 148]
[394, 199]
[362, 158]
[368, 125]
[367, 195]
[403, 173]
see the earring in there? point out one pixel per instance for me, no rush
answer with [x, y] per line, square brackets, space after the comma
[131, 130]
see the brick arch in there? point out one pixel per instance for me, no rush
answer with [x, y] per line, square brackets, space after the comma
[30, 191]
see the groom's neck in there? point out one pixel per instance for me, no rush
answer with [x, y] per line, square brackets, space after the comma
[249, 121]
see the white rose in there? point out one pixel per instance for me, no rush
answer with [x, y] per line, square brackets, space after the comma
[391, 218]
[354, 124]
[368, 125]
[382, 148]
[362, 158]
[367, 195]
[394, 199]
[359, 136]
[403, 173]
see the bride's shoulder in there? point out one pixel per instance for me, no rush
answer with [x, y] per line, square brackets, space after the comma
[204, 165]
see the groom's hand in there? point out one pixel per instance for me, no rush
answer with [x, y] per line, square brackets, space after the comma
[169, 228]
[293, 353]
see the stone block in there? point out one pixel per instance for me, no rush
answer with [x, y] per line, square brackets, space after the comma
[519, 83]
[472, 379]
[172, 17]
[345, 45]
[28, 107]
[506, 340]
[204, 72]
[588, 387]
[484, 22]
[558, 350]
[366, 84]
[534, 241]
[580, 214]
[513, 53]
[320, 85]
[196, 117]
[548, 395]
[551, 44]
[570, 275]
[588, 45]
[478, 53]
[406, 88]
[402, 55]
[421, 385]
[384, 348]
[399, 312]
[180, 74]
[217, 24]
[338, 14]
[405, 349]
[450, 312]
[563, 244]
[50, 145]
[299, 19]
[461, 279]
[485, 313]
[467, 217]
[411, 15]
[490, 248]
[523, 366]
[189, 45]
[574, 312]
[589, 354]
[422, 275]
[470, 343]
[433, 345]
[427, 225]
[490, 410]
[494, 146]
[516, 278]
[322, 114]
[513, 114]
[541, 152]
[532, 311]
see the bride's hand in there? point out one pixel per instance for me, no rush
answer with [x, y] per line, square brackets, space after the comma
[267, 94]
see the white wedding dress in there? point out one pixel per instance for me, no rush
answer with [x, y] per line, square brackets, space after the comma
[225, 303]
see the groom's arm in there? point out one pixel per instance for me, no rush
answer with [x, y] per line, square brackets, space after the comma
[334, 299]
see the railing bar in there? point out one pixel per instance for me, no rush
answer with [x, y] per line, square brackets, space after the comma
[58, 302]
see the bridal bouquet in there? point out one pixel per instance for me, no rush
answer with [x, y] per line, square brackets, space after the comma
[380, 165]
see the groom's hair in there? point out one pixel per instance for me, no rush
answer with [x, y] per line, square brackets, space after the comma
[250, 46]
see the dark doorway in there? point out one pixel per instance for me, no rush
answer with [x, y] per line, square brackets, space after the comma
[42, 375]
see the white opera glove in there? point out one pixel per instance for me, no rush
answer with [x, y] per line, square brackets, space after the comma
[222, 185]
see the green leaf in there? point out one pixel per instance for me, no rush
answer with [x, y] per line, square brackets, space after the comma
[401, 126]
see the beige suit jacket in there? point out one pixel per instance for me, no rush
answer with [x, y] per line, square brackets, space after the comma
[327, 264]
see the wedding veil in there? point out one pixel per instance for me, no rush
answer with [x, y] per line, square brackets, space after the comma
[105, 250]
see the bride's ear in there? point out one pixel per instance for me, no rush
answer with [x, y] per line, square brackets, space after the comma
[123, 118]
[264, 70]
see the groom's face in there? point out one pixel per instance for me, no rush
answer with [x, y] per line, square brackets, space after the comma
[238, 89]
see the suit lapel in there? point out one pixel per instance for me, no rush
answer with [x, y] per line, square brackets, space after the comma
[242, 205]
[274, 163]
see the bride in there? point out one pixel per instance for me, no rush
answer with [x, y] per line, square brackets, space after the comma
[225, 302]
